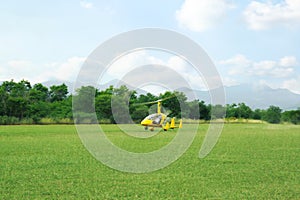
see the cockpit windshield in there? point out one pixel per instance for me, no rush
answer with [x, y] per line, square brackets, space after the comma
[156, 118]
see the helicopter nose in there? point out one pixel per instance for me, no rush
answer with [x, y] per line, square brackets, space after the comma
[146, 122]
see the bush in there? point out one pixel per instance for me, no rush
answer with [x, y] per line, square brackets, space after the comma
[85, 118]
[27, 121]
[47, 121]
[5, 120]
[272, 115]
[65, 121]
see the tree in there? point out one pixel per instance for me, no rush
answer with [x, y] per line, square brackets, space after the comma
[120, 110]
[5, 90]
[272, 115]
[194, 112]
[120, 101]
[244, 111]
[204, 111]
[139, 113]
[218, 112]
[61, 109]
[3, 101]
[58, 92]
[238, 111]
[292, 116]
[146, 98]
[176, 103]
[39, 93]
[18, 98]
[257, 114]
[38, 110]
[232, 111]
[20, 101]
[84, 99]
[103, 105]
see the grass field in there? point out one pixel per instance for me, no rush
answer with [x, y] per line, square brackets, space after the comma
[250, 161]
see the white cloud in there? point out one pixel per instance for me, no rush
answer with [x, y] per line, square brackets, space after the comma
[67, 70]
[87, 5]
[288, 61]
[16, 67]
[261, 16]
[240, 65]
[127, 63]
[227, 81]
[280, 72]
[35, 72]
[177, 63]
[187, 72]
[263, 68]
[202, 15]
[238, 59]
[292, 85]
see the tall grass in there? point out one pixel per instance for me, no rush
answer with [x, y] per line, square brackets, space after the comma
[226, 120]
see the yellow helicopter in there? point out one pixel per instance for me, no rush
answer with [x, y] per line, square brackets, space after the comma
[159, 119]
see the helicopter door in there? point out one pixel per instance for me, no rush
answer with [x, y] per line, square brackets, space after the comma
[157, 119]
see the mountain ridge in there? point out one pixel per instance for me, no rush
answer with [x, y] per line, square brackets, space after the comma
[255, 96]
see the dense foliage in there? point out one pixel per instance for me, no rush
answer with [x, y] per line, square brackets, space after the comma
[22, 103]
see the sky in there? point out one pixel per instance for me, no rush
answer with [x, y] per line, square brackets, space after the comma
[248, 41]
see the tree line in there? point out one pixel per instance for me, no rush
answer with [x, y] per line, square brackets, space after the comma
[22, 103]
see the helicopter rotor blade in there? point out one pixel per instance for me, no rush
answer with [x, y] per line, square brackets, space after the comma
[166, 98]
[156, 101]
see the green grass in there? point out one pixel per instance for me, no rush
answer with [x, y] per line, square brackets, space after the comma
[250, 161]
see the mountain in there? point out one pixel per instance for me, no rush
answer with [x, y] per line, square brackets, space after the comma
[264, 96]
[115, 83]
[48, 84]
[118, 83]
[254, 96]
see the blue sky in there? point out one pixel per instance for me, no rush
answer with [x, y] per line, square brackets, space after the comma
[249, 41]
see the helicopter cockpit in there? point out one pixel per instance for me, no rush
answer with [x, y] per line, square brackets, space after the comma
[156, 118]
